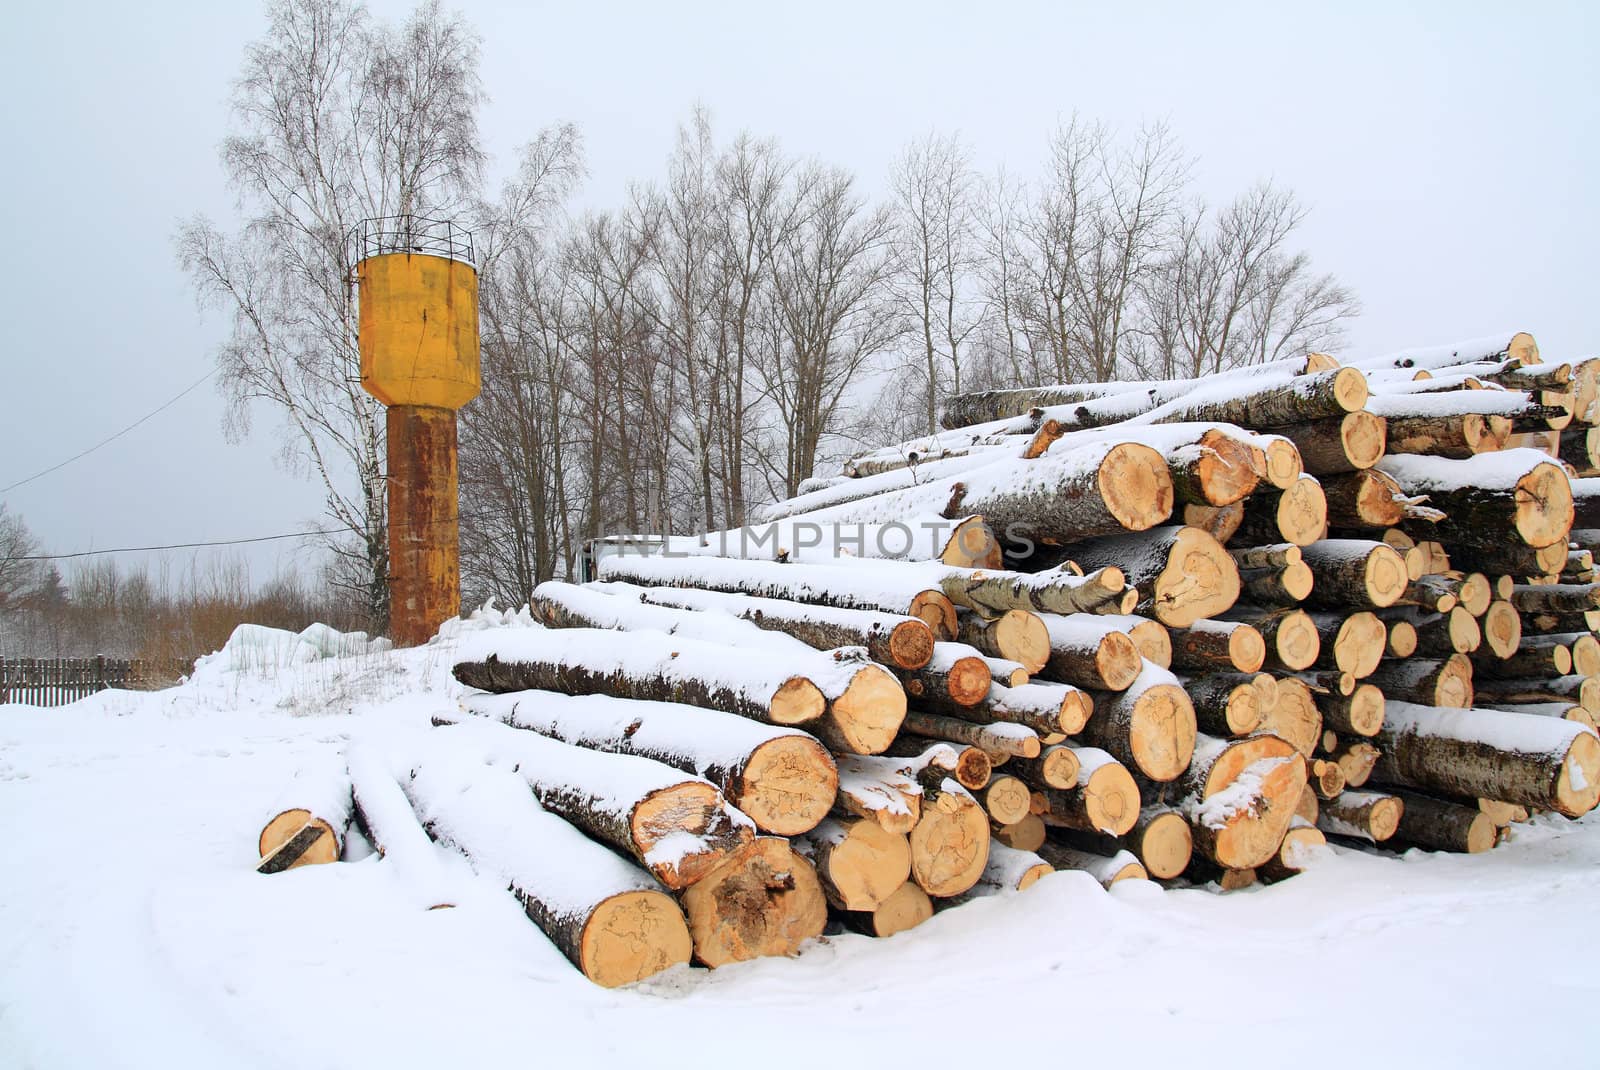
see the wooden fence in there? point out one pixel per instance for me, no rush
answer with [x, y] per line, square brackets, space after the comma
[58, 681]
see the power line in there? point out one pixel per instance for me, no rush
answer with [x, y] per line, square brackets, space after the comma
[174, 546]
[106, 442]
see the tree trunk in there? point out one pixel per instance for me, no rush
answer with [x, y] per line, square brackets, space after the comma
[1231, 704]
[1239, 797]
[1104, 799]
[1487, 503]
[1010, 740]
[1348, 443]
[950, 845]
[1447, 682]
[905, 908]
[1214, 645]
[1355, 573]
[1537, 655]
[1352, 643]
[1216, 470]
[991, 594]
[956, 675]
[1438, 825]
[1367, 815]
[1016, 635]
[1149, 727]
[1298, 515]
[1320, 396]
[1160, 839]
[1359, 713]
[1181, 573]
[1046, 708]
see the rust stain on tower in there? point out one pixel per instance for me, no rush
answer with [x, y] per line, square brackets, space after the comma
[419, 356]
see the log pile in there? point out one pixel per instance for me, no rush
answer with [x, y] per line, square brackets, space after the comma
[1180, 631]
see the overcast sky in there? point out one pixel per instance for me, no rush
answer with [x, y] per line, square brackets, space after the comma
[1450, 155]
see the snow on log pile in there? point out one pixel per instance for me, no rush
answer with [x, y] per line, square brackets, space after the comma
[1184, 631]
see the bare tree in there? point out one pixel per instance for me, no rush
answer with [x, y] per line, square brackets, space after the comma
[337, 119]
[19, 574]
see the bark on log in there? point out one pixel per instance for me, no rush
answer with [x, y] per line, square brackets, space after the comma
[906, 908]
[1537, 655]
[1581, 690]
[1239, 797]
[1057, 766]
[1438, 825]
[991, 594]
[1556, 597]
[955, 674]
[1348, 443]
[1319, 396]
[1214, 645]
[1440, 634]
[1298, 514]
[1530, 761]
[1105, 798]
[1046, 708]
[605, 914]
[1286, 586]
[1106, 871]
[1150, 726]
[890, 638]
[1508, 558]
[1010, 740]
[1017, 635]
[1216, 470]
[1446, 682]
[858, 864]
[782, 779]
[1359, 713]
[1220, 522]
[1181, 573]
[1368, 815]
[1367, 500]
[1087, 652]
[1456, 437]
[1293, 641]
[1355, 573]
[1580, 447]
[1231, 704]
[677, 826]
[1490, 500]
[1160, 839]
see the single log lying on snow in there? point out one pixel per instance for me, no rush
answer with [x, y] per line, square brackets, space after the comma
[1239, 797]
[678, 827]
[853, 705]
[1356, 573]
[858, 864]
[781, 778]
[606, 915]
[1367, 815]
[762, 900]
[1181, 573]
[1105, 798]
[883, 586]
[1442, 826]
[1516, 495]
[1447, 682]
[890, 638]
[1150, 726]
[906, 908]
[1160, 839]
[1231, 704]
[308, 822]
[1122, 866]
[1530, 761]
[384, 815]
[1338, 444]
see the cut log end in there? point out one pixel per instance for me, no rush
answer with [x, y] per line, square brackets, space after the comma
[1200, 580]
[1363, 436]
[906, 908]
[788, 785]
[867, 716]
[762, 900]
[1135, 486]
[1166, 846]
[911, 644]
[1350, 389]
[935, 610]
[296, 838]
[950, 845]
[866, 867]
[632, 936]
[972, 545]
[1162, 732]
[798, 701]
[1022, 637]
[1544, 506]
[1502, 629]
[1578, 783]
[666, 814]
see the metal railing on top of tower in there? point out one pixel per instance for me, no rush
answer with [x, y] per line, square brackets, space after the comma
[412, 234]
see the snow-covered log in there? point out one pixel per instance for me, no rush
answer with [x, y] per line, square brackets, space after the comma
[1216, 645]
[852, 704]
[1181, 573]
[781, 778]
[1057, 766]
[1295, 853]
[1347, 443]
[1296, 514]
[1556, 597]
[1122, 866]
[1531, 761]
[1217, 469]
[1231, 703]
[1104, 799]
[991, 594]
[1046, 708]
[1367, 815]
[307, 823]
[606, 915]
[890, 638]
[963, 541]
[955, 675]
[1293, 642]
[1319, 396]
[1507, 345]
[384, 815]
[906, 908]
[1086, 651]
[677, 826]
[1515, 494]
[1160, 839]
[1355, 573]
[1150, 726]
[1008, 870]
[876, 789]
[762, 900]
[858, 864]
[1446, 682]
[1239, 797]
[971, 766]
[998, 738]
[1017, 635]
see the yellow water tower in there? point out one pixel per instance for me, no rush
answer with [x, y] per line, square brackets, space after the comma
[419, 356]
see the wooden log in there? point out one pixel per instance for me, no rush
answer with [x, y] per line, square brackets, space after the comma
[1087, 652]
[1348, 443]
[1444, 682]
[1352, 643]
[1308, 807]
[880, 791]
[308, 822]
[1151, 638]
[1016, 635]
[1181, 573]
[1220, 522]
[1292, 638]
[1230, 704]
[1565, 710]
[1294, 718]
[1502, 628]
[1298, 850]
[1585, 652]
[1046, 708]
[1509, 557]
[676, 825]
[955, 674]
[1057, 766]
[971, 766]
[1476, 593]
[1011, 740]
[1202, 871]
[1580, 447]
[890, 638]
[1274, 555]
[1538, 655]
[906, 907]
[1024, 835]
[1491, 500]
[1402, 639]
[1216, 470]
[1455, 436]
[1105, 798]
[852, 705]
[1150, 726]
[1160, 839]
[1367, 815]
[1434, 593]
[1122, 866]
[1368, 500]
[1357, 573]
[950, 845]
[1006, 799]
[782, 779]
[1556, 597]
[991, 593]
[1007, 871]
[605, 914]
[1438, 825]
[1239, 797]
[1359, 713]
[1214, 645]
[763, 900]
[1005, 672]
[1501, 814]
[858, 864]
[1286, 586]
[1581, 690]
[1530, 761]
[1440, 634]
[895, 588]
[1319, 396]
[1298, 515]
[1325, 777]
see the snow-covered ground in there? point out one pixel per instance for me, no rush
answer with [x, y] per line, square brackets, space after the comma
[134, 932]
